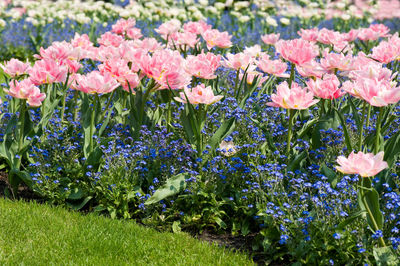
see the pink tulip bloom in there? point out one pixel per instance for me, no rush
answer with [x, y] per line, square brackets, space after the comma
[123, 25]
[237, 61]
[181, 39]
[350, 36]
[58, 51]
[329, 37]
[47, 71]
[81, 41]
[381, 29]
[110, 39]
[295, 97]
[168, 28]
[134, 33]
[372, 70]
[148, 44]
[374, 32]
[270, 39]
[332, 61]
[385, 52]
[199, 95]
[95, 82]
[363, 164]
[310, 35]
[216, 38]
[326, 88]
[297, 51]
[253, 51]
[197, 27]
[15, 68]
[119, 70]
[25, 89]
[273, 67]
[311, 69]
[167, 68]
[202, 65]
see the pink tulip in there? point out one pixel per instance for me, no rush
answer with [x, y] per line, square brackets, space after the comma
[47, 71]
[168, 28]
[58, 51]
[120, 71]
[181, 39]
[297, 51]
[376, 93]
[295, 97]
[273, 67]
[202, 65]
[310, 35]
[332, 61]
[237, 61]
[385, 52]
[363, 164]
[197, 27]
[270, 39]
[123, 25]
[326, 88]
[25, 89]
[216, 38]
[81, 41]
[148, 44]
[350, 36]
[95, 82]
[199, 95]
[253, 51]
[311, 69]
[15, 68]
[110, 39]
[329, 37]
[134, 33]
[252, 74]
[166, 67]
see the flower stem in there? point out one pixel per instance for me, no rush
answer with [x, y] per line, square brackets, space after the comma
[362, 127]
[292, 66]
[21, 131]
[290, 131]
[378, 130]
[368, 116]
[91, 132]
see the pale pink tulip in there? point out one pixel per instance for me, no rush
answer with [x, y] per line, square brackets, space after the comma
[332, 61]
[237, 61]
[123, 25]
[273, 67]
[295, 97]
[110, 39]
[167, 68]
[58, 51]
[47, 71]
[81, 41]
[252, 74]
[326, 88]
[311, 69]
[297, 51]
[134, 33]
[253, 51]
[350, 36]
[15, 68]
[385, 52]
[270, 39]
[25, 89]
[181, 39]
[310, 35]
[202, 65]
[329, 37]
[197, 27]
[120, 71]
[363, 164]
[199, 95]
[148, 44]
[95, 82]
[168, 28]
[216, 38]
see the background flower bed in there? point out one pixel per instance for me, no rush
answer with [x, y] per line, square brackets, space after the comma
[292, 208]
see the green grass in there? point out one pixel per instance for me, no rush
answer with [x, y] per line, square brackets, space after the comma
[34, 234]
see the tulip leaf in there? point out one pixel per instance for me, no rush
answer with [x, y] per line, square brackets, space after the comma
[172, 186]
[349, 220]
[368, 199]
[385, 256]
[224, 130]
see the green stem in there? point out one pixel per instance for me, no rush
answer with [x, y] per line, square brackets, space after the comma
[108, 103]
[368, 116]
[290, 131]
[21, 131]
[63, 106]
[292, 66]
[92, 123]
[75, 102]
[362, 127]
[378, 130]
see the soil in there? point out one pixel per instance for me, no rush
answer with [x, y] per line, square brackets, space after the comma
[23, 191]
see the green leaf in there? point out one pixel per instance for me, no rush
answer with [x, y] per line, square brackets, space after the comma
[349, 220]
[176, 227]
[17, 176]
[225, 129]
[94, 159]
[330, 174]
[392, 149]
[346, 133]
[295, 164]
[173, 186]
[77, 205]
[385, 256]
[76, 194]
[370, 199]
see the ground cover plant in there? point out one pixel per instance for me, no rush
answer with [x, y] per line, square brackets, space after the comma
[286, 135]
